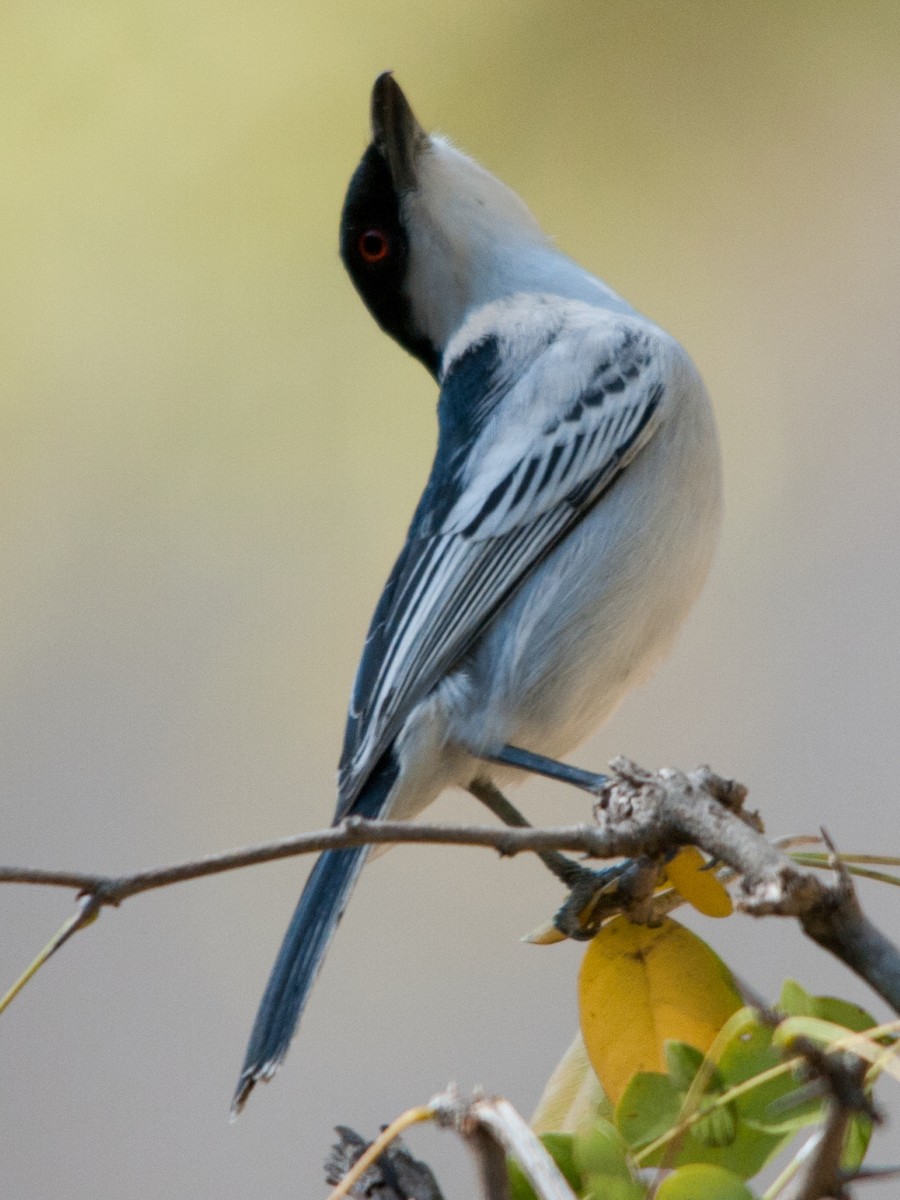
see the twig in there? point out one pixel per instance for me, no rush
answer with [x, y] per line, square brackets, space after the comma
[372, 1153]
[86, 914]
[820, 1176]
[354, 831]
[396, 1175]
[489, 1123]
[492, 1129]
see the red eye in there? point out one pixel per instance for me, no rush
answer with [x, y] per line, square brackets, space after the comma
[373, 245]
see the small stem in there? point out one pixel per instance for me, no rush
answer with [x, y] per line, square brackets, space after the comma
[793, 1166]
[87, 913]
[372, 1153]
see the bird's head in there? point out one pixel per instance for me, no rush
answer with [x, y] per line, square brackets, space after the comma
[427, 234]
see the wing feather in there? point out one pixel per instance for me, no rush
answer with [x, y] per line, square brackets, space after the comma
[507, 485]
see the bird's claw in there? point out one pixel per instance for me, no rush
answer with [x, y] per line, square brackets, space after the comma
[596, 895]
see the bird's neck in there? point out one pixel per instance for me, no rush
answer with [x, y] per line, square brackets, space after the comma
[526, 271]
[541, 269]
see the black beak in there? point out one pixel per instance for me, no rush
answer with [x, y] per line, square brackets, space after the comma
[396, 132]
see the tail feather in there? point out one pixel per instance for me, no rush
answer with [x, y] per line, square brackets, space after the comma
[312, 927]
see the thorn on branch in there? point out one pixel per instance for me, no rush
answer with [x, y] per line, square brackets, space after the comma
[844, 884]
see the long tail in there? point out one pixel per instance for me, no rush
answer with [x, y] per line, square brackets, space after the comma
[312, 927]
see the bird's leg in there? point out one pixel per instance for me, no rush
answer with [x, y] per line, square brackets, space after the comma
[594, 894]
[539, 764]
[569, 872]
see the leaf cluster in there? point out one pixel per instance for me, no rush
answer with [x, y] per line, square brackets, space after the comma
[679, 1090]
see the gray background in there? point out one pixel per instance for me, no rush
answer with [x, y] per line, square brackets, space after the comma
[208, 458]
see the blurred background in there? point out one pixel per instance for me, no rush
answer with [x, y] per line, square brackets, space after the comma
[208, 458]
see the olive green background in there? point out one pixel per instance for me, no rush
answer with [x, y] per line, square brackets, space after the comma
[208, 456]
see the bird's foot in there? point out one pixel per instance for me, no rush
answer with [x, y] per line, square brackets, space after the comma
[597, 895]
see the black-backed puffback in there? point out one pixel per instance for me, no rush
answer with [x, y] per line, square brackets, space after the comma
[565, 530]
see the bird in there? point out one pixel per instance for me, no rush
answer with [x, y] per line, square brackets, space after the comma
[565, 530]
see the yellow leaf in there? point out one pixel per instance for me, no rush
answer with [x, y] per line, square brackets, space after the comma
[641, 987]
[573, 1097]
[688, 874]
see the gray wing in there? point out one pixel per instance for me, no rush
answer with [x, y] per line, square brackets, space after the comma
[518, 465]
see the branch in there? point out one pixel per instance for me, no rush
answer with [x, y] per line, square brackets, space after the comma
[656, 811]
[639, 814]
[352, 831]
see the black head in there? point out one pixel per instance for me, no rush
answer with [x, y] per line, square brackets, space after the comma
[374, 242]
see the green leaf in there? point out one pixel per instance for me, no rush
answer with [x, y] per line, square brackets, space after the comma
[745, 1156]
[614, 1187]
[650, 1102]
[698, 1182]
[842, 1012]
[857, 1143]
[748, 1055]
[795, 1001]
[788, 1118]
[742, 1136]
[683, 1063]
[601, 1151]
[649, 1108]
[719, 1126]
[561, 1148]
